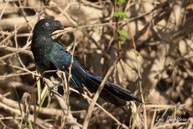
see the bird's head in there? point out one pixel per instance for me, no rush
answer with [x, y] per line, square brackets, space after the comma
[48, 25]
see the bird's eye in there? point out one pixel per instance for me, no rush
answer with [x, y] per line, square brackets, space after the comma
[47, 24]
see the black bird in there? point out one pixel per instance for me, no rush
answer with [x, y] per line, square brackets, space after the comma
[49, 55]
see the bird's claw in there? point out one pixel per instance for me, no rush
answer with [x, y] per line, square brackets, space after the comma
[54, 91]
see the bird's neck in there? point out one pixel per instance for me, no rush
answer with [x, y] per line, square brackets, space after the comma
[42, 37]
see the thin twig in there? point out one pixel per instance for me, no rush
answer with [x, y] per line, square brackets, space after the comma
[92, 104]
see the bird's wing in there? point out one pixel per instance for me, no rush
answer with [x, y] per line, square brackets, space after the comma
[61, 59]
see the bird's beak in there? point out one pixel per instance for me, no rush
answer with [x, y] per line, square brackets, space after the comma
[57, 25]
[61, 27]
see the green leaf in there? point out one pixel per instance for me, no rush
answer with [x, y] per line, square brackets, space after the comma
[29, 123]
[42, 100]
[121, 14]
[121, 1]
[123, 33]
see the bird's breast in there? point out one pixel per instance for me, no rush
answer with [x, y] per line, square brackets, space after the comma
[41, 54]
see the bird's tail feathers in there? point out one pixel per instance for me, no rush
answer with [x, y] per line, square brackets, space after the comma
[111, 92]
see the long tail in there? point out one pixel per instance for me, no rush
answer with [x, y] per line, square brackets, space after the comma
[111, 92]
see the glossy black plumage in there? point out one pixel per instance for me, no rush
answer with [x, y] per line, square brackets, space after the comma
[49, 55]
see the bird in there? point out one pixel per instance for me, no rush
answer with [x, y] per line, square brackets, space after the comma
[50, 55]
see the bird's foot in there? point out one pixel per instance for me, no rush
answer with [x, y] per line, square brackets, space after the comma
[54, 91]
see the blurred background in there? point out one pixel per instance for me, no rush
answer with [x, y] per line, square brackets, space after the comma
[154, 39]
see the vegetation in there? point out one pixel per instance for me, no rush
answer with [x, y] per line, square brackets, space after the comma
[146, 46]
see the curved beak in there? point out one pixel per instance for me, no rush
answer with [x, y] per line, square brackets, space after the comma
[61, 27]
[57, 24]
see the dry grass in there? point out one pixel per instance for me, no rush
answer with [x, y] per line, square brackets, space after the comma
[156, 63]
